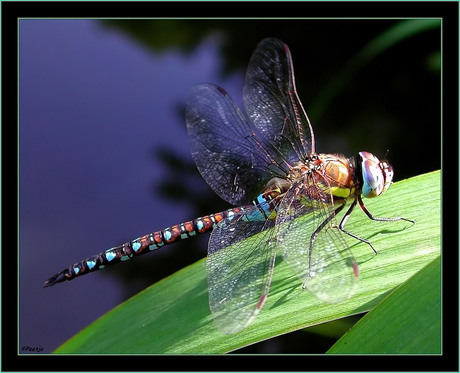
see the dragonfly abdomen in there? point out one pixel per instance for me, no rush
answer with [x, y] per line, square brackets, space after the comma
[158, 239]
[142, 245]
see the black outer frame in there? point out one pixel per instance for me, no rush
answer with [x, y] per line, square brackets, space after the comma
[12, 11]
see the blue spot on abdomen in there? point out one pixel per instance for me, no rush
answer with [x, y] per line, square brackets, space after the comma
[136, 246]
[110, 255]
[167, 235]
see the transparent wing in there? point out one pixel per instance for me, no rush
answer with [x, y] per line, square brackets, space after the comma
[239, 266]
[232, 160]
[324, 263]
[272, 104]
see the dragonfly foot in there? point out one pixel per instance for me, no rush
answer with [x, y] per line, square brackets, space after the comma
[304, 284]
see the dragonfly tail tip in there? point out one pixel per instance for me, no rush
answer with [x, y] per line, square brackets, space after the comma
[58, 277]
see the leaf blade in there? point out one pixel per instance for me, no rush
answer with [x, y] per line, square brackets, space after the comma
[407, 321]
[172, 316]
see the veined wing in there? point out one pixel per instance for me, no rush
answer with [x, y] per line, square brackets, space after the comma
[272, 104]
[324, 263]
[240, 267]
[229, 156]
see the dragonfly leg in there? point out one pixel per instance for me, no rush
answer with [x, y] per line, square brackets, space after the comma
[372, 217]
[345, 219]
[315, 234]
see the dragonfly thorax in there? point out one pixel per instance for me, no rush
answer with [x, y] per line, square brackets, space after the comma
[336, 174]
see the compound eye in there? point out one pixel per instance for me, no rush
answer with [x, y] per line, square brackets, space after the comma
[377, 176]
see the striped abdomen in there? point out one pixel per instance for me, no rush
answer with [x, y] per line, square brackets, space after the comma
[155, 240]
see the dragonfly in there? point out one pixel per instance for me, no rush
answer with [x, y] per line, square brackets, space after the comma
[287, 196]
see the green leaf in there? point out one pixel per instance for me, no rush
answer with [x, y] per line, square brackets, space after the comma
[172, 316]
[408, 321]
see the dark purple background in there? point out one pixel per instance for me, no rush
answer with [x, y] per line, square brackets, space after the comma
[93, 104]
[96, 106]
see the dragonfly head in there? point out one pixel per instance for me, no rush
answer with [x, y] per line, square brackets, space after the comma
[377, 175]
